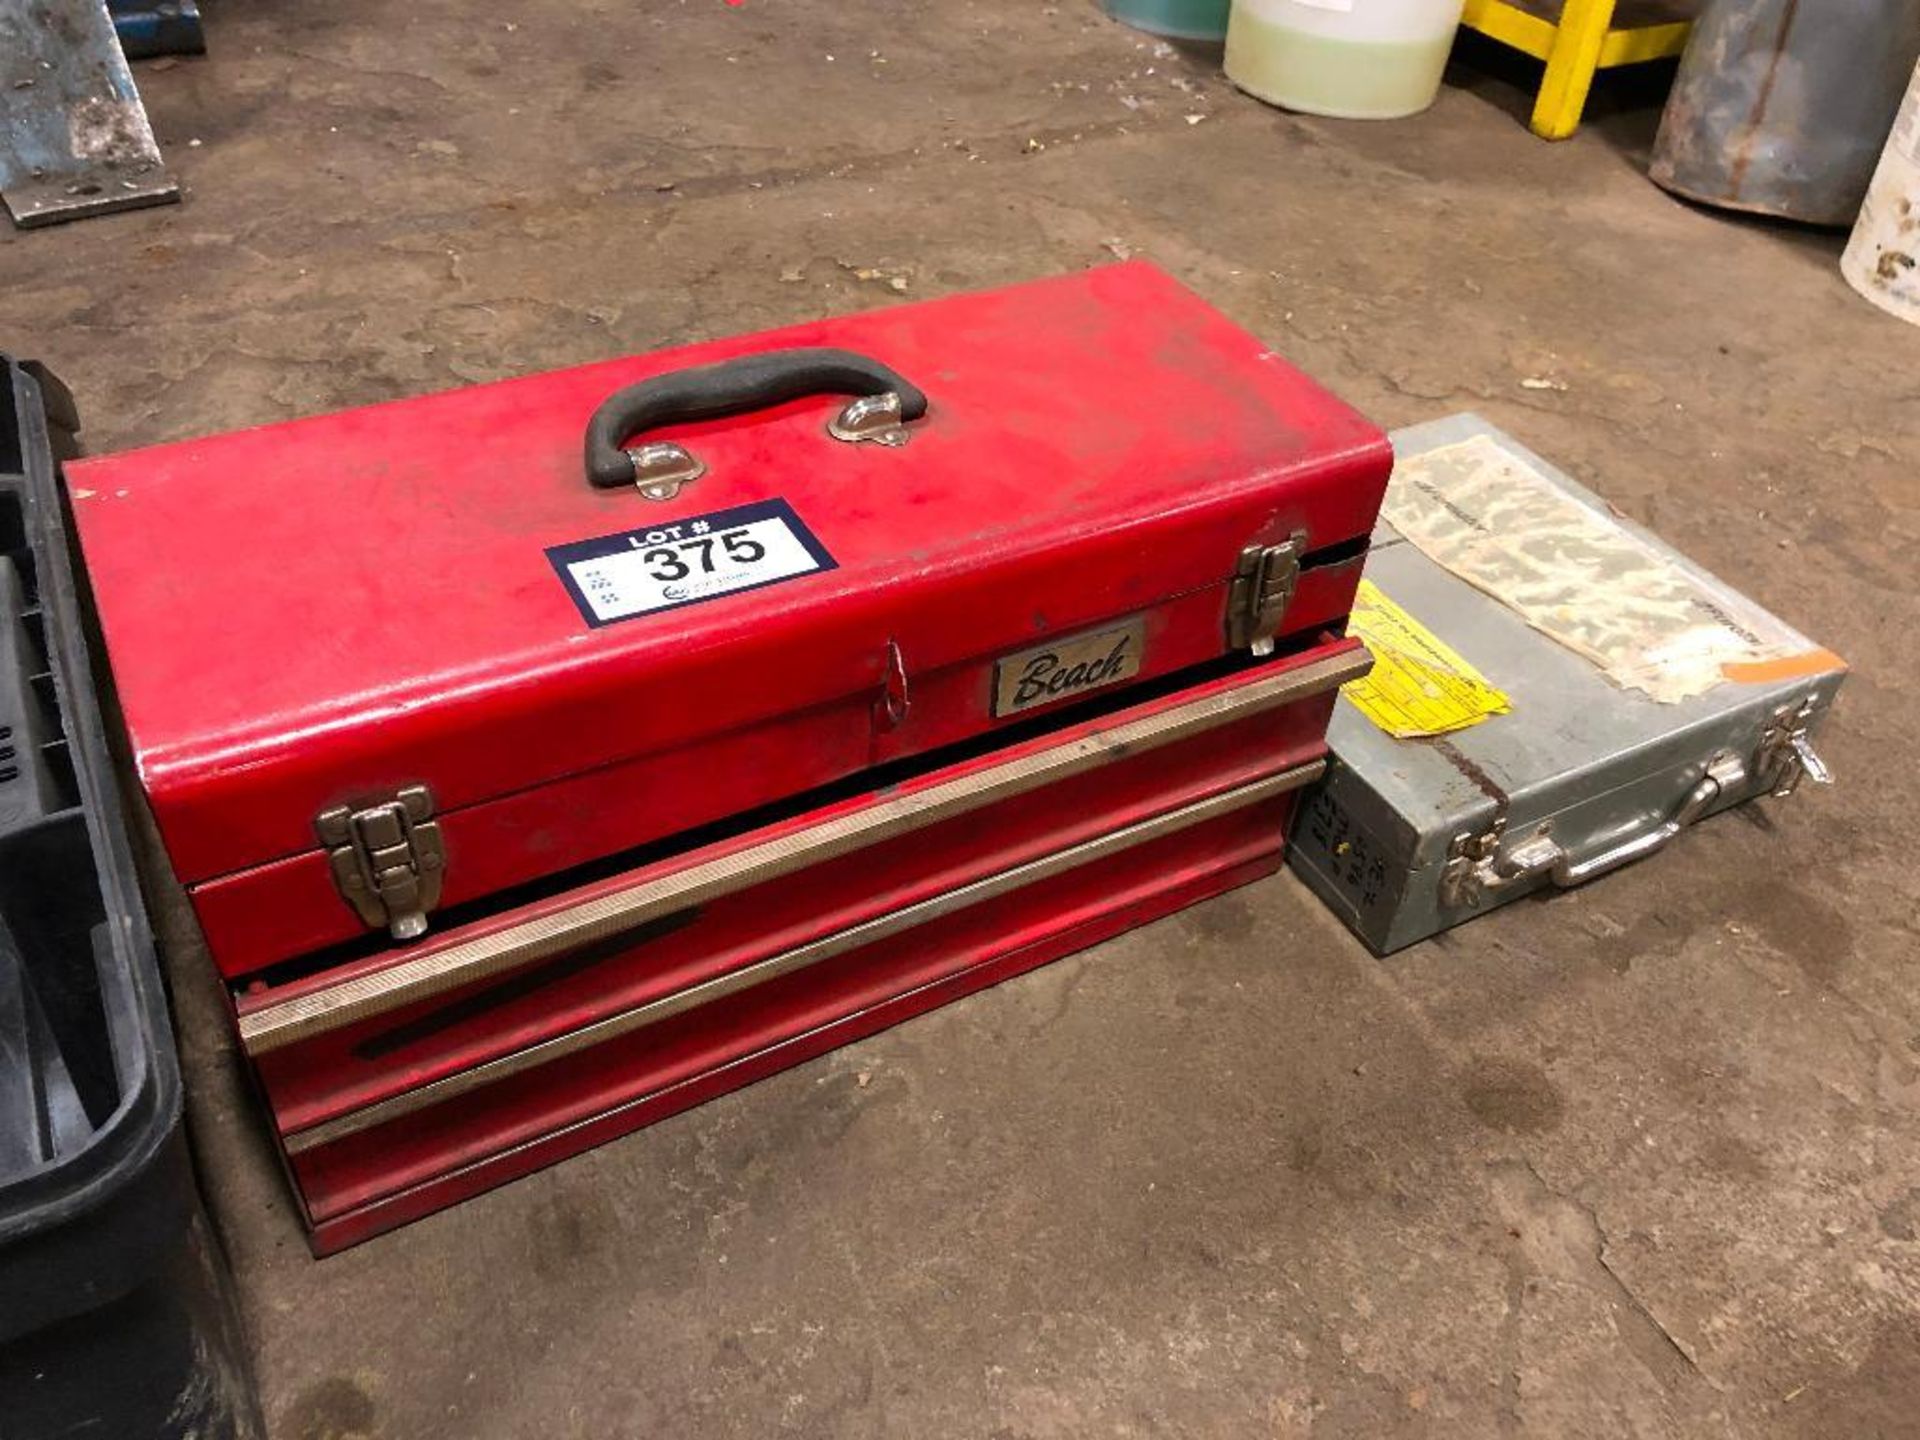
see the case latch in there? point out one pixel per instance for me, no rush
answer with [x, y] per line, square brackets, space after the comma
[1786, 755]
[387, 859]
[1263, 584]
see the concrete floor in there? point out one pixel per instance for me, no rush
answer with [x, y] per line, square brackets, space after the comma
[1640, 1161]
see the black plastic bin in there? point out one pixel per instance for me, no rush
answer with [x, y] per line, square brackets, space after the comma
[114, 1319]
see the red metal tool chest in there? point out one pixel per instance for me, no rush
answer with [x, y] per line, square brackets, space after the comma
[544, 757]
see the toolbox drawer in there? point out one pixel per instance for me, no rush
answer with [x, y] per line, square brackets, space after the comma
[399, 1084]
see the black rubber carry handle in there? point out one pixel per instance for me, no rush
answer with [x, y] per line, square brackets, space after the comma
[750, 383]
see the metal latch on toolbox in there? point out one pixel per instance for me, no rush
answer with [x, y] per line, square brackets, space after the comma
[1478, 866]
[388, 860]
[1786, 755]
[1263, 585]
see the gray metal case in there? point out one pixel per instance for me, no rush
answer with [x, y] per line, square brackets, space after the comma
[1405, 838]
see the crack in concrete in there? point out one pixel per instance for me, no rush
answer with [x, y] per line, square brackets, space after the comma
[1559, 1236]
[1511, 1422]
[358, 70]
[867, 166]
[1562, 1237]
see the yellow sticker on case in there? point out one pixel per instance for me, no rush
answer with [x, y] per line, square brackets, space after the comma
[1419, 685]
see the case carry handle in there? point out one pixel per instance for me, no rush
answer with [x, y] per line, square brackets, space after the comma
[886, 400]
[1480, 866]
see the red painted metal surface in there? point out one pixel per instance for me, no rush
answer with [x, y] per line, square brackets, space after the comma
[361, 602]
[1000, 957]
[360, 1183]
[324, 611]
[311, 1082]
[526, 1107]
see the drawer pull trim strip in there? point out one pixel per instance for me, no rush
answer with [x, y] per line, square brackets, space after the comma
[788, 961]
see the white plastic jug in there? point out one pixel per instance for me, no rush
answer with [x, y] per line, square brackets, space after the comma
[1358, 59]
[1882, 258]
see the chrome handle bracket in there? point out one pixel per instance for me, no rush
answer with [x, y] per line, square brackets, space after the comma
[661, 468]
[871, 417]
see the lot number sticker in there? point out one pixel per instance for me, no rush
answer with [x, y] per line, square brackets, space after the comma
[685, 561]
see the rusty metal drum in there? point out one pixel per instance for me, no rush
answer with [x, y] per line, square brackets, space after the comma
[1781, 106]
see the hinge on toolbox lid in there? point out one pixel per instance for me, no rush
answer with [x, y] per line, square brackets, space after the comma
[1263, 584]
[387, 859]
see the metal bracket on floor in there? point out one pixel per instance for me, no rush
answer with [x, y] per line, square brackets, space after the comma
[74, 137]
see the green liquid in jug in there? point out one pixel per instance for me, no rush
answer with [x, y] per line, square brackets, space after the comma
[1354, 79]
[1182, 19]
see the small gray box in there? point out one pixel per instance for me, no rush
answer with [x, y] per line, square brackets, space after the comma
[1407, 837]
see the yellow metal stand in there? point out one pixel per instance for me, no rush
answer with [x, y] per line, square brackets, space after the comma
[1582, 40]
